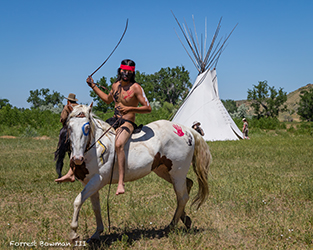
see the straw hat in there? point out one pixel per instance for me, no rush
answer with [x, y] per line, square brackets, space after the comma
[196, 123]
[71, 97]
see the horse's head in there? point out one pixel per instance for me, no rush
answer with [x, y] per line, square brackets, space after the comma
[80, 127]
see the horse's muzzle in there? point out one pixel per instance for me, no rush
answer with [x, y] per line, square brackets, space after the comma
[78, 160]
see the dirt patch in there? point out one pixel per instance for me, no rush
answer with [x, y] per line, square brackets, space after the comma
[42, 138]
[36, 138]
[291, 125]
[8, 137]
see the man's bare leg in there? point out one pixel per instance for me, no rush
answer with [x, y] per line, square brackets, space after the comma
[121, 172]
[69, 177]
[122, 136]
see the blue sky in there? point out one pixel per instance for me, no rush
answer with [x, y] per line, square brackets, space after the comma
[56, 44]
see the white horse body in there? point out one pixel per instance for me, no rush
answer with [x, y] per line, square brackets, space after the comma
[162, 147]
[139, 159]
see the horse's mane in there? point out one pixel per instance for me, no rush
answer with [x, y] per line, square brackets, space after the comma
[85, 111]
[81, 111]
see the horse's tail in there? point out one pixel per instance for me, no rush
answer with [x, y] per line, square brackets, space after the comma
[201, 161]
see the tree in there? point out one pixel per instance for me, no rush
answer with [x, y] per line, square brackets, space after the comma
[305, 110]
[170, 85]
[54, 109]
[266, 100]
[4, 102]
[100, 105]
[43, 97]
[230, 105]
[241, 112]
[146, 83]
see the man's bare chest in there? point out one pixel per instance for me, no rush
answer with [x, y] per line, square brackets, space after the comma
[126, 96]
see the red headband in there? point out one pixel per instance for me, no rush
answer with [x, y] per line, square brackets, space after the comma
[126, 67]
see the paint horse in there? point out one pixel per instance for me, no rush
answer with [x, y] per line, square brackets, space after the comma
[163, 147]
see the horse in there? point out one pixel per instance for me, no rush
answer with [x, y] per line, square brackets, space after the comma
[162, 147]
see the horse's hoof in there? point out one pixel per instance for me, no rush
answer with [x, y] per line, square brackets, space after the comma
[168, 229]
[187, 222]
[74, 236]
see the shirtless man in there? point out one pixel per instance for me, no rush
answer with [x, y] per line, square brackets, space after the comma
[126, 94]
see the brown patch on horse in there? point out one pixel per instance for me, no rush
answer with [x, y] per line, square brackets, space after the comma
[158, 161]
[80, 171]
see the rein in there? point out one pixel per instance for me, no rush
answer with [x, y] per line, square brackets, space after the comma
[87, 149]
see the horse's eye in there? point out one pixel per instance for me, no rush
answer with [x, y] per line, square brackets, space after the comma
[86, 128]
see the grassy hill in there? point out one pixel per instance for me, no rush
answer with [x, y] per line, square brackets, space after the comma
[293, 99]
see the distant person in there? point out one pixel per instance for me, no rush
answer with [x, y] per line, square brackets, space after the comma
[245, 129]
[196, 126]
[64, 145]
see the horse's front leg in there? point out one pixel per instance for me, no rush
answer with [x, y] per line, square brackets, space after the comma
[97, 210]
[90, 189]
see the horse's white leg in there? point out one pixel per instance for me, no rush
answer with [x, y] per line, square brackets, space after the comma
[74, 225]
[180, 187]
[91, 188]
[97, 210]
[185, 218]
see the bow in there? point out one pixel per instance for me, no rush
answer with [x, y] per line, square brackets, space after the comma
[113, 49]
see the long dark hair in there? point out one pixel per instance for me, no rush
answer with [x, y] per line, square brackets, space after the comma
[127, 62]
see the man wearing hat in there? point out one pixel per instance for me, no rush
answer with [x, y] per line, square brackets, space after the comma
[196, 126]
[63, 145]
[71, 102]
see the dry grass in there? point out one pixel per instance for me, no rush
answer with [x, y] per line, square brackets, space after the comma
[261, 197]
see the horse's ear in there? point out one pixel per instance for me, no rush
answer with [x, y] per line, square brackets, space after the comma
[90, 107]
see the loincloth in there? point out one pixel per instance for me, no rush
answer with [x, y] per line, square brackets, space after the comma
[116, 122]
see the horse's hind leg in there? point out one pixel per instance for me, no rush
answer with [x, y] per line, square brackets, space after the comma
[185, 218]
[162, 172]
[181, 190]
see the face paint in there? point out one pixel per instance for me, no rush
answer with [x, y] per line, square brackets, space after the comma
[86, 128]
[126, 75]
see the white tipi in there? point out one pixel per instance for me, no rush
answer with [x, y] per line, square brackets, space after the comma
[203, 103]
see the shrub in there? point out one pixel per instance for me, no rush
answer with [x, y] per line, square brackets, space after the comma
[30, 132]
[28, 122]
[305, 128]
[267, 123]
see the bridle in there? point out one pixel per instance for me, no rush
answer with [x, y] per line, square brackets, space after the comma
[105, 132]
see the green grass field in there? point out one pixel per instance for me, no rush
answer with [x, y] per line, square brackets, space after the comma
[261, 197]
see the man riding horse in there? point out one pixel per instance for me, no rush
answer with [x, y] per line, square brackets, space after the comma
[126, 94]
[63, 144]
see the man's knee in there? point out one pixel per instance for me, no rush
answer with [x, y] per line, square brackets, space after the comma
[119, 146]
